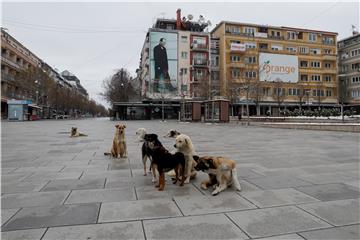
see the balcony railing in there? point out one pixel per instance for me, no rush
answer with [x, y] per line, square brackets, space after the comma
[195, 79]
[199, 47]
[200, 62]
[328, 42]
[9, 62]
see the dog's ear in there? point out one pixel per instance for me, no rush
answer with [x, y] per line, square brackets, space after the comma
[196, 158]
[124, 125]
[186, 141]
[211, 162]
[116, 125]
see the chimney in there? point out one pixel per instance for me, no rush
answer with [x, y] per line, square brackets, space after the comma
[178, 19]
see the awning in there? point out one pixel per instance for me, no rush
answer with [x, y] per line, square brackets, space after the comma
[34, 106]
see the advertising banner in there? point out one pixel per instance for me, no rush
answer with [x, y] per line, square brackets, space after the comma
[163, 65]
[238, 47]
[278, 67]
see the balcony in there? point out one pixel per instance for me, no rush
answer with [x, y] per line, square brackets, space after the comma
[6, 77]
[329, 70]
[199, 62]
[199, 79]
[9, 62]
[331, 57]
[276, 37]
[237, 65]
[199, 47]
[326, 42]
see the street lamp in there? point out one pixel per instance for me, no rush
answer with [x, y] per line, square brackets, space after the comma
[307, 92]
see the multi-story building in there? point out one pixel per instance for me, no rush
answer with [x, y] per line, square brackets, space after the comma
[75, 83]
[214, 68]
[174, 61]
[349, 70]
[271, 68]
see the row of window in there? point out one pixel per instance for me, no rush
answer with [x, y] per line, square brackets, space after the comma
[315, 78]
[235, 73]
[355, 79]
[314, 64]
[280, 47]
[291, 35]
[248, 59]
[298, 92]
[355, 93]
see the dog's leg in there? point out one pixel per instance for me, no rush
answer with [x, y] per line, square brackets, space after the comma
[219, 189]
[188, 165]
[153, 168]
[125, 153]
[176, 174]
[235, 180]
[161, 180]
[144, 163]
[182, 172]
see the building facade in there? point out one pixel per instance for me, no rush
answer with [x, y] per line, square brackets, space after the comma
[175, 60]
[349, 70]
[272, 68]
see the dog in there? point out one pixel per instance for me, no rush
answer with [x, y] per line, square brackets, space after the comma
[146, 152]
[184, 145]
[75, 133]
[222, 173]
[141, 133]
[164, 161]
[172, 133]
[118, 148]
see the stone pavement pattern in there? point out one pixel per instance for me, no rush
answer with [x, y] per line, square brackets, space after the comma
[296, 184]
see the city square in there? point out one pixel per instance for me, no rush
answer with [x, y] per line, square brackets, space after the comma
[296, 184]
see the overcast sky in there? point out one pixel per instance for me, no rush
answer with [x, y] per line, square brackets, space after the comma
[92, 39]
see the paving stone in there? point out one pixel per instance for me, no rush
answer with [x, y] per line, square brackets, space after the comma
[39, 169]
[215, 226]
[39, 217]
[278, 182]
[14, 177]
[275, 221]
[120, 182]
[336, 233]
[136, 210]
[338, 213]
[332, 191]
[33, 199]
[52, 176]
[67, 163]
[283, 237]
[30, 234]
[7, 170]
[72, 184]
[6, 214]
[327, 178]
[102, 195]
[224, 202]
[86, 168]
[355, 184]
[108, 231]
[110, 174]
[22, 187]
[150, 192]
[271, 198]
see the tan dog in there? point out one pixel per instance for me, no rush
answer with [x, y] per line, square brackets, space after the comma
[75, 133]
[222, 173]
[184, 145]
[118, 148]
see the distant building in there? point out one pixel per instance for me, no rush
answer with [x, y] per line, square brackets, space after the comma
[349, 70]
[272, 68]
[75, 82]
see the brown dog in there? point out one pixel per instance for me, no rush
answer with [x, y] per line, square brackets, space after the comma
[75, 133]
[222, 173]
[118, 148]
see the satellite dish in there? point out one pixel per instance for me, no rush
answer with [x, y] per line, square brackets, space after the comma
[190, 17]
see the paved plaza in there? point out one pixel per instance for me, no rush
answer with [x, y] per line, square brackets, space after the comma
[296, 184]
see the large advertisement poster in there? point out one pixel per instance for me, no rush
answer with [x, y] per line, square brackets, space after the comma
[163, 65]
[278, 67]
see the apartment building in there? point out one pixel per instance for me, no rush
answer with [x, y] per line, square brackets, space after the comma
[349, 70]
[272, 68]
[174, 61]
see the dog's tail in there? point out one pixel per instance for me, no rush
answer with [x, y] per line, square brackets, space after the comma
[82, 135]
[235, 179]
[107, 153]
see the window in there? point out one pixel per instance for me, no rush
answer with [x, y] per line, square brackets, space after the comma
[303, 77]
[183, 71]
[250, 59]
[279, 91]
[293, 92]
[328, 93]
[315, 51]
[291, 49]
[327, 51]
[276, 47]
[250, 74]
[327, 65]
[355, 52]
[328, 40]
[275, 34]
[327, 78]
[184, 55]
[355, 79]
[184, 39]
[315, 78]
[235, 73]
[266, 91]
[263, 45]
[234, 58]
[355, 93]
[291, 35]
[304, 50]
[355, 66]
[312, 37]
[303, 63]
[315, 64]
[235, 30]
[250, 45]
[318, 93]
[249, 30]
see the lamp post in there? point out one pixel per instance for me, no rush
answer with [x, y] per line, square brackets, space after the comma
[307, 92]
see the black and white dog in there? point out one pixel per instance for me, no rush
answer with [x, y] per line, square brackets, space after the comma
[147, 152]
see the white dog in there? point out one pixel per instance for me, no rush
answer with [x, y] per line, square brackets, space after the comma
[184, 145]
[141, 133]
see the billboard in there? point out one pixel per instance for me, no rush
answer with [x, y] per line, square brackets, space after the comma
[163, 65]
[278, 67]
[237, 47]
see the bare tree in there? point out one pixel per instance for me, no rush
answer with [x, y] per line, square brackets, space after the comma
[118, 88]
[279, 93]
